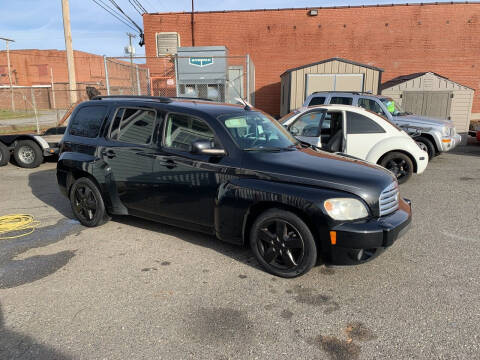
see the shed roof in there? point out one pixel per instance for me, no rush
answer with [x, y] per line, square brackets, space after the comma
[333, 59]
[403, 78]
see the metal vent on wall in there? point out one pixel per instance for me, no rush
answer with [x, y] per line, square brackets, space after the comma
[167, 43]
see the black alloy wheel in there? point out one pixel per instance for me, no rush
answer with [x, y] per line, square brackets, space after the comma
[399, 164]
[87, 203]
[283, 243]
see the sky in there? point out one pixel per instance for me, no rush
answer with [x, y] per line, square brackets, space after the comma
[37, 24]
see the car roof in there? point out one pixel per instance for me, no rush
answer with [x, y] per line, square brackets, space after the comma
[203, 106]
[335, 107]
[322, 93]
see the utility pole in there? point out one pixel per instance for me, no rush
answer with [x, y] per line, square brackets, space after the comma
[130, 51]
[72, 82]
[7, 41]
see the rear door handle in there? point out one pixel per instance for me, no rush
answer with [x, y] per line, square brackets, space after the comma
[109, 153]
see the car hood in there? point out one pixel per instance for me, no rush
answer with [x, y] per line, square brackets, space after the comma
[322, 169]
[422, 120]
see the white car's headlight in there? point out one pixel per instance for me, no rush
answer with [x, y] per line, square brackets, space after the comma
[445, 131]
[345, 209]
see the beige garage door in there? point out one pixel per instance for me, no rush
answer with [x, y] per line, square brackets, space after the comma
[333, 82]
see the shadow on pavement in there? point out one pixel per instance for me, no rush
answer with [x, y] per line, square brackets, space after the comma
[471, 149]
[14, 345]
[44, 186]
[237, 252]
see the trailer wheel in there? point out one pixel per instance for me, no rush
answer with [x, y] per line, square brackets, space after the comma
[4, 155]
[27, 154]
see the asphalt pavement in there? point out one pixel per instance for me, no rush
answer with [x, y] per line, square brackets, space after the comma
[134, 289]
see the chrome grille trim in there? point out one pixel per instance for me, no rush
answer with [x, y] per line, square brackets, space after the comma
[388, 201]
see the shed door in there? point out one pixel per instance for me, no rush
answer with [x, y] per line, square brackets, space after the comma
[435, 104]
[333, 82]
[319, 82]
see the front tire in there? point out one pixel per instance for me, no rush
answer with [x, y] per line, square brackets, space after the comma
[87, 203]
[399, 164]
[283, 244]
[426, 145]
[27, 154]
[4, 155]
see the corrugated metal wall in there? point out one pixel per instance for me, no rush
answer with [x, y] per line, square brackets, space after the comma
[461, 103]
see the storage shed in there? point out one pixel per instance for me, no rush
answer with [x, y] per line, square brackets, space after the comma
[433, 95]
[335, 74]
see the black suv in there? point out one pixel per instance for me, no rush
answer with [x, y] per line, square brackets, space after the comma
[230, 171]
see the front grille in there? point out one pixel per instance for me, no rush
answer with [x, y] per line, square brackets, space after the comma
[388, 201]
[452, 131]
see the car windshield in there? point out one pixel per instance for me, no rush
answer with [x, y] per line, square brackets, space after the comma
[394, 108]
[285, 118]
[256, 131]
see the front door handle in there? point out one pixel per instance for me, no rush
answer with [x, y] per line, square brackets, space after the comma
[169, 164]
[109, 153]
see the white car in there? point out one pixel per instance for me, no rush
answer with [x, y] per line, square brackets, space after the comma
[360, 133]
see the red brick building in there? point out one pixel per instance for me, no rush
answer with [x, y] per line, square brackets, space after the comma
[39, 68]
[32, 67]
[401, 39]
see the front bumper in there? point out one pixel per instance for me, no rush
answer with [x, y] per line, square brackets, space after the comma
[450, 142]
[358, 242]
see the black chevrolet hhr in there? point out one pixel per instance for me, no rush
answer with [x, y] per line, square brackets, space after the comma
[230, 171]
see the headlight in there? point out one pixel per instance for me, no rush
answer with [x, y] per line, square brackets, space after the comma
[445, 131]
[345, 209]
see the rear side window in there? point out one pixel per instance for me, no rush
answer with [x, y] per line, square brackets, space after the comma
[372, 106]
[88, 121]
[133, 126]
[360, 124]
[317, 100]
[341, 100]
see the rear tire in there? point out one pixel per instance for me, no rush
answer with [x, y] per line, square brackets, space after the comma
[4, 155]
[426, 145]
[87, 203]
[27, 154]
[399, 164]
[282, 243]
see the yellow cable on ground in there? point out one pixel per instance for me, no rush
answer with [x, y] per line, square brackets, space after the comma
[17, 225]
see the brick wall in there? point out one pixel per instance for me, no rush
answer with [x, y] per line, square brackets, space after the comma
[32, 67]
[402, 39]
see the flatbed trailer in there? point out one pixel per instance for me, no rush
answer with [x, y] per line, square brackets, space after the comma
[30, 150]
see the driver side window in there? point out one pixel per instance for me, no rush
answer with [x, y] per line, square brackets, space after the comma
[182, 130]
[308, 124]
[372, 106]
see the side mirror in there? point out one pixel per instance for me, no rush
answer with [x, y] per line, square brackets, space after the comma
[205, 147]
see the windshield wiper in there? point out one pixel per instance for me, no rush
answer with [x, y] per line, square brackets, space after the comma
[305, 144]
[270, 149]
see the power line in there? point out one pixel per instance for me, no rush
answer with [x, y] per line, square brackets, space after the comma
[113, 14]
[135, 7]
[138, 5]
[128, 17]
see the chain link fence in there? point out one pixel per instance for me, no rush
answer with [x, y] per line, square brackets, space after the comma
[218, 78]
